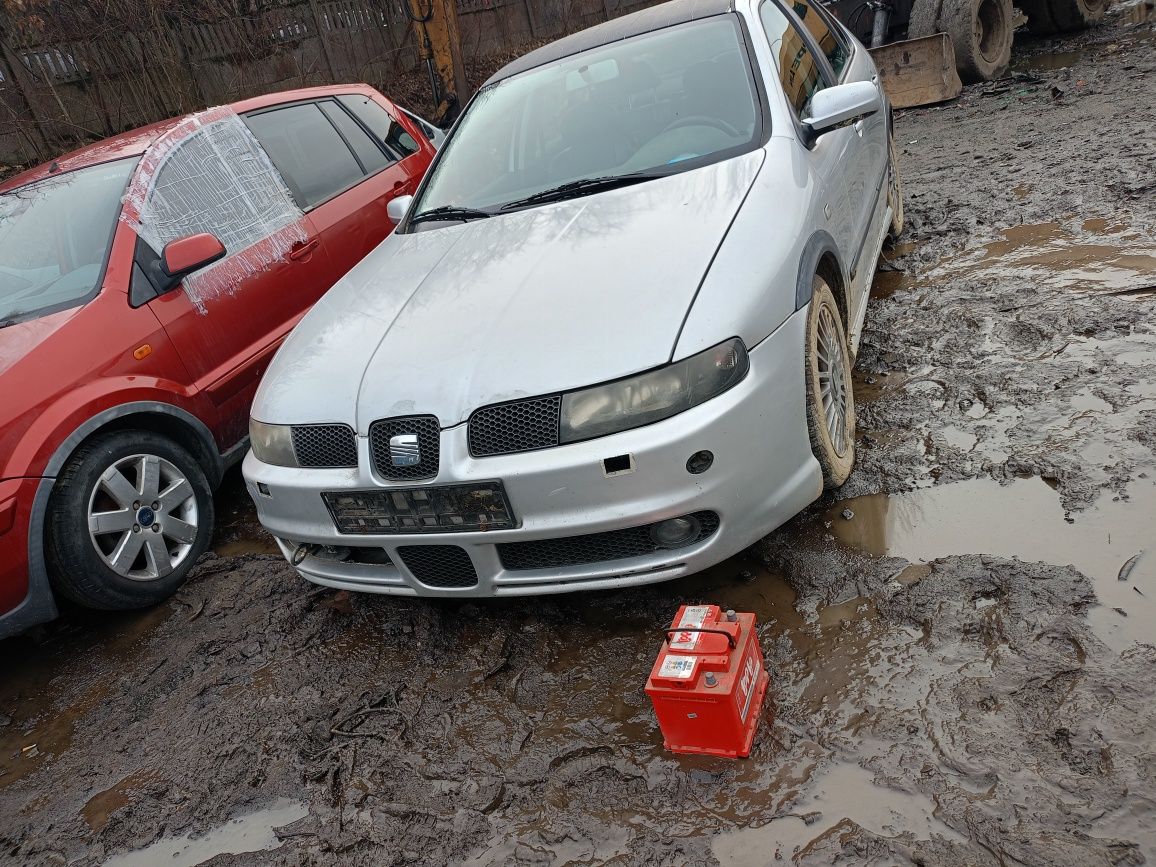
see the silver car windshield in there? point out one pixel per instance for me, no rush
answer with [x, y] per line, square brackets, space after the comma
[657, 103]
[55, 236]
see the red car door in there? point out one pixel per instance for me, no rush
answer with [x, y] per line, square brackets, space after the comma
[227, 321]
[349, 208]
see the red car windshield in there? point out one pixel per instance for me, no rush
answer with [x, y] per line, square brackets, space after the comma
[54, 238]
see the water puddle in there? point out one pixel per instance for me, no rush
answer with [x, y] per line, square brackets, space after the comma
[1025, 520]
[1049, 255]
[102, 805]
[1048, 61]
[238, 532]
[251, 832]
[840, 794]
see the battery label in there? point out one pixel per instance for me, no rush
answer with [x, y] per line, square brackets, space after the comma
[748, 681]
[692, 618]
[681, 667]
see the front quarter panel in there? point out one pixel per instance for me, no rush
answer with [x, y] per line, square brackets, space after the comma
[750, 288]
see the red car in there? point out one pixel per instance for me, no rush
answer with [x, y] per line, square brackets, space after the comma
[145, 282]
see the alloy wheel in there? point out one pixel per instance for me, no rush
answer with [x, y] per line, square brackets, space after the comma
[832, 379]
[142, 517]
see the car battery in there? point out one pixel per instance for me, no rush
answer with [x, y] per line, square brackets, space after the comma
[708, 683]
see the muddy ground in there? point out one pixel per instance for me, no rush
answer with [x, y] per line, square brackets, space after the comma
[958, 674]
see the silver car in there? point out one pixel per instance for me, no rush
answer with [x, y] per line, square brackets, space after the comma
[610, 342]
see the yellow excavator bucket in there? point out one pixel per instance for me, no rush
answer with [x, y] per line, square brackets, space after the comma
[918, 71]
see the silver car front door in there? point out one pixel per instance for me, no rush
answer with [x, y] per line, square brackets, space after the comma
[802, 72]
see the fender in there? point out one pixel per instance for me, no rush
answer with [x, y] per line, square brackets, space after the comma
[94, 404]
[818, 245]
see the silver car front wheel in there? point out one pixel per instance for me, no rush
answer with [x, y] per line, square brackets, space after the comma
[830, 399]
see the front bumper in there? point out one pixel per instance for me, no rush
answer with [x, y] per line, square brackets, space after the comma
[25, 597]
[763, 474]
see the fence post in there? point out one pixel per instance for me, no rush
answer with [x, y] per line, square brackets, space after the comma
[39, 142]
[324, 42]
[176, 34]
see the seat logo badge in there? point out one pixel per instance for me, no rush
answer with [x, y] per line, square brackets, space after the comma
[404, 450]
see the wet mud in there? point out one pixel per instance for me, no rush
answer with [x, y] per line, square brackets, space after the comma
[961, 641]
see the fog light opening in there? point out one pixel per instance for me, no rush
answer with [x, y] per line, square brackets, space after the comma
[676, 532]
[332, 552]
[699, 462]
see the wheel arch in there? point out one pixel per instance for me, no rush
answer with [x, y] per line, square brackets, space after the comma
[821, 256]
[161, 418]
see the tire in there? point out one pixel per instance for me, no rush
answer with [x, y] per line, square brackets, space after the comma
[1046, 17]
[102, 551]
[981, 33]
[894, 189]
[830, 398]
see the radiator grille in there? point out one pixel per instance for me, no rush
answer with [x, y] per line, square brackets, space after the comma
[522, 426]
[592, 548]
[324, 445]
[428, 433]
[445, 566]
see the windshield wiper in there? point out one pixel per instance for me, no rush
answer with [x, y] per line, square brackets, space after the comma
[449, 212]
[580, 187]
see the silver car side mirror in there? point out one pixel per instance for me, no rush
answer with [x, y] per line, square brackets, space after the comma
[397, 208]
[840, 105]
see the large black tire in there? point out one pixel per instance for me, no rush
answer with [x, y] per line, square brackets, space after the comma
[1046, 17]
[894, 189]
[101, 515]
[981, 33]
[830, 398]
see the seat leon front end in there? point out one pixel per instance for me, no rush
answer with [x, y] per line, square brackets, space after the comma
[610, 341]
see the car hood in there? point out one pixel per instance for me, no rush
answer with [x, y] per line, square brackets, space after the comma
[533, 302]
[18, 341]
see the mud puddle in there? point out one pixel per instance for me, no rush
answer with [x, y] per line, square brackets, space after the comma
[42, 711]
[250, 832]
[1024, 519]
[238, 531]
[1101, 256]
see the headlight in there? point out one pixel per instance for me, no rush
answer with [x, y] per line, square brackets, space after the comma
[272, 443]
[653, 396]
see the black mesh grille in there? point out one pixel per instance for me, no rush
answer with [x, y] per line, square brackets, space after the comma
[515, 427]
[594, 548]
[324, 445]
[428, 433]
[439, 565]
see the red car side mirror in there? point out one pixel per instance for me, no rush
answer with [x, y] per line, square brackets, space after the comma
[186, 255]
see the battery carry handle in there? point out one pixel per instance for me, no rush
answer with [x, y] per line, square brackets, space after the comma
[730, 638]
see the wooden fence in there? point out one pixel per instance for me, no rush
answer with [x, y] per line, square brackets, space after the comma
[55, 95]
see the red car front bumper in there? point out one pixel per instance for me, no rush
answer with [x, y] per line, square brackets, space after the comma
[25, 598]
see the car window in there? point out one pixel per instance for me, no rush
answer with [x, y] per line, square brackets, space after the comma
[381, 124]
[55, 236]
[369, 153]
[828, 37]
[426, 129]
[308, 151]
[662, 102]
[799, 69]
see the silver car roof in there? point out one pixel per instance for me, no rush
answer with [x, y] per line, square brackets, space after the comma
[643, 21]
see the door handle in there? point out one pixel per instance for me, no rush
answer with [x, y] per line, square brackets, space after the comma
[304, 251]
